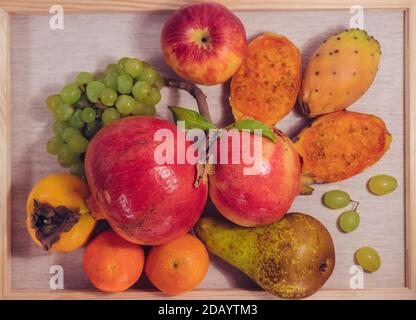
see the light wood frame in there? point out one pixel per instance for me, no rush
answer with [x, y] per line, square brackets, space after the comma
[8, 7]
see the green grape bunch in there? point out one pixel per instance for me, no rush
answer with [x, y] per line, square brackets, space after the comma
[127, 87]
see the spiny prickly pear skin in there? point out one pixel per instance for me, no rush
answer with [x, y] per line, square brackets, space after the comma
[339, 72]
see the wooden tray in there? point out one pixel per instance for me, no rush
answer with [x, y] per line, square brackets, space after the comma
[36, 61]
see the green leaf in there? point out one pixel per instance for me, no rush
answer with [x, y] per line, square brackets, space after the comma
[252, 124]
[192, 119]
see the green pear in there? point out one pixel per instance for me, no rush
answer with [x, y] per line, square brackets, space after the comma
[291, 258]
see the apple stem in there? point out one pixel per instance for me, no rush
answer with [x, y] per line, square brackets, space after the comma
[196, 92]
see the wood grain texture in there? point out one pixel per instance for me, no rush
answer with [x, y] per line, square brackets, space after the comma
[42, 6]
[231, 294]
[411, 151]
[43, 60]
[5, 118]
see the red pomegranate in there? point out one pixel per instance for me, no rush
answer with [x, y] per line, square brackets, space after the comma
[143, 201]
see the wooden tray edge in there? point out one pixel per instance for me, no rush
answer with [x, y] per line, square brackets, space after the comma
[18, 6]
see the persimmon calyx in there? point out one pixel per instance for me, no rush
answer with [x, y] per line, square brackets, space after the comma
[49, 222]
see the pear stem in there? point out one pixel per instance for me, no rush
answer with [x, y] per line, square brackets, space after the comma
[195, 91]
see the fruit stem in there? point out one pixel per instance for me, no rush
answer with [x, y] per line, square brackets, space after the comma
[203, 169]
[196, 92]
[305, 188]
[355, 205]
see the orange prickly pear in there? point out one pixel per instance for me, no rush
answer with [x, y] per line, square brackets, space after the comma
[339, 72]
[340, 145]
[267, 84]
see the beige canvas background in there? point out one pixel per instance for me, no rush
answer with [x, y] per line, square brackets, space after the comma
[43, 60]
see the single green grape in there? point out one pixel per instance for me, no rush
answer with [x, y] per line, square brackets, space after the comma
[94, 89]
[78, 143]
[349, 221]
[111, 68]
[159, 83]
[368, 259]
[124, 84]
[141, 109]
[141, 90]
[108, 97]
[149, 75]
[70, 93]
[336, 199]
[59, 126]
[75, 121]
[68, 132]
[78, 169]
[83, 102]
[133, 67]
[120, 70]
[121, 64]
[66, 156]
[125, 104]
[110, 115]
[53, 101]
[53, 145]
[382, 184]
[63, 111]
[110, 80]
[63, 163]
[83, 78]
[88, 115]
[150, 111]
[92, 129]
[152, 98]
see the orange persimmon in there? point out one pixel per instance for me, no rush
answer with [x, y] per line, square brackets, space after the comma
[57, 217]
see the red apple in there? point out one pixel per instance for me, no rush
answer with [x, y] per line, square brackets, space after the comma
[204, 43]
[264, 197]
[144, 202]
